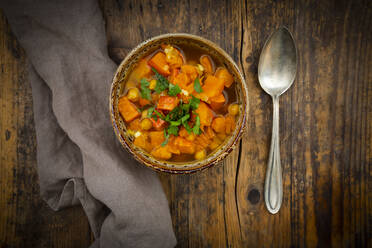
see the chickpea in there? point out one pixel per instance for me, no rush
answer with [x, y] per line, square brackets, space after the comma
[200, 155]
[144, 114]
[133, 94]
[146, 124]
[233, 109]
[152, 84]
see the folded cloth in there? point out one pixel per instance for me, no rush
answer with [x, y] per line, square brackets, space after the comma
[79, 158]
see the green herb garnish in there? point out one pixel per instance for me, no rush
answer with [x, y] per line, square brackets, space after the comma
[179, 115]
[174, 90]
[187, 127]
[166, 136]
[162, 83]
[173, 130]
[197, 86]
[158, 114]
[145, 91]
[194, 102]
[186, 107]
[150, 111]
[175, 114]
[185, 118]
[196, 129]
[175, 123]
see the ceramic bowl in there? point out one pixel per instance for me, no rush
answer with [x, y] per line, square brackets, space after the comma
[130, 62]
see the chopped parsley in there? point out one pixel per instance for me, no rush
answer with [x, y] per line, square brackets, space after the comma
[157, 114]
[150, 111]
[175, 123]
[161, 82]
[196, 129]
[145, 91]
[180, 115]
[187, 127]
[194, 103]
[174, 90]
[173, 130]
[197, 86]
[166, 136]
[185, 118]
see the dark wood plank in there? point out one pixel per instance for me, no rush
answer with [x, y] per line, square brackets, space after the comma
[323, 126]
[26, 220]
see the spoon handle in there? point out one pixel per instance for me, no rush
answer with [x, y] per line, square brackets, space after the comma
[273, 183]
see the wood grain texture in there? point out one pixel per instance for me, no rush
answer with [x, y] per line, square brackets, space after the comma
[325, 130]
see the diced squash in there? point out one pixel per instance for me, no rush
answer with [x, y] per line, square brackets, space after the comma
[184, 145]
[135, 125]
[215, 143]
[218, 124]
[158, 61]
[204, 138]
[182, 79]
[217, 102]
[161, 152]
[173, 75]
[144, 102]
[209, 132]
[221, 136]
[172, 147]
[184, 82]
[191, 71]
[167, 102]
[202, 96]
[183, 132]
[229, 124]
[156, 138]
[207, 63]
[205, 114]
[127, 109]
[157, 124]
[202, 141]
[199, 147]
[213, 86]
[225, 76]
[141, 142]
[190, 137]
[140, 71]
[173, 56]
[155, 96]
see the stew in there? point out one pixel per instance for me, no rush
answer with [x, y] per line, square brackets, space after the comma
[179, 104]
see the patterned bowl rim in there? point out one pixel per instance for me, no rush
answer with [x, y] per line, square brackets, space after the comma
[159, 165]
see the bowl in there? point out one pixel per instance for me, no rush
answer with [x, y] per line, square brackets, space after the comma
[130, 62]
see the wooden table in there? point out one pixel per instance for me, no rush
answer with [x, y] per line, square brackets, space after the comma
[326, 131]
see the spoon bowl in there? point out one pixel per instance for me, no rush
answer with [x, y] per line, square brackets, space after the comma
[276, 73]
[277, 66]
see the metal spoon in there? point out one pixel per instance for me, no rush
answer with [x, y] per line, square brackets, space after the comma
[276, 73]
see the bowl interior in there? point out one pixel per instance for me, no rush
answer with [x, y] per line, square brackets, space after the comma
[120, 79]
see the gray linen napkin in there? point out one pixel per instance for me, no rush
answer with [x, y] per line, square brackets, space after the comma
[79, 159]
